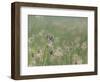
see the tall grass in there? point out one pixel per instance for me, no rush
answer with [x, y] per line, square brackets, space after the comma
[57, 40]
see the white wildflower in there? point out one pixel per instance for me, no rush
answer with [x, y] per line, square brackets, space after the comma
[84, 46]
[38, 56]
[67, 48]
[39, 53]
[58, 52]
[76, 59]
[57, 57]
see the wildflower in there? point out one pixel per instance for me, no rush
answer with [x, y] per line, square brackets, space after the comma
[67, 48]
[37, 56]
[57, 57]
[31, 39]
[76, 59]
[84, 46]
[58, 52]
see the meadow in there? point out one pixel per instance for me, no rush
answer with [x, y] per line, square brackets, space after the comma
[57, 40]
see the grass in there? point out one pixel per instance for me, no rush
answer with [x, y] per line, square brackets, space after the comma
[57, 40]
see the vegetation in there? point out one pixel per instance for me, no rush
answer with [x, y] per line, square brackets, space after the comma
[57, 40]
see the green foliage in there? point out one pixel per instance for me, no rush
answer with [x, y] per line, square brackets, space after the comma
[57, 40]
